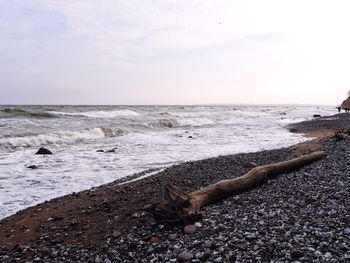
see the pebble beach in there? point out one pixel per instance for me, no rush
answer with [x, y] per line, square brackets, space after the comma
[301, 216]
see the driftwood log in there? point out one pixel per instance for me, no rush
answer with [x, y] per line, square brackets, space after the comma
[185, 207]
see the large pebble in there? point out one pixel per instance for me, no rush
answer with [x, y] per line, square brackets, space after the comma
[184, 256]
[190, 229]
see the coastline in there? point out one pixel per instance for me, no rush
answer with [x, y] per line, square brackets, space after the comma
[109, 222]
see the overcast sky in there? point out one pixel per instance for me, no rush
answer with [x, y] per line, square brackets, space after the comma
[174, 52]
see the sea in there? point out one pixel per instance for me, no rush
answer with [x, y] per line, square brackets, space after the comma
[94, 145]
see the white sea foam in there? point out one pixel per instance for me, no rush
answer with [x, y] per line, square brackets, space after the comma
[196, 122]
[158, 137]
[99, 114]
[53, 138]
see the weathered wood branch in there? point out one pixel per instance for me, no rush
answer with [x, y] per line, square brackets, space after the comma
[181, 206]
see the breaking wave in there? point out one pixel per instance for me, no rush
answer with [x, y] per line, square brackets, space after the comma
[196, 122]
[60, 137]
[99, 114]
[18, 112]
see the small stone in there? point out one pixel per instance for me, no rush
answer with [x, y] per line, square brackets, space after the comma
[199, 255]
[150, 250]
[43, 151]
[328, 255]
[112, 150]
[155, 239]
[184, 256]
[198, 224]
[190, 229]
[208, 244]
[32, 167]
[98, 259]
[172, 237]
[347, 230]
[100, 151]
[116, 234]
[45, 250]
[218, 260]
[295, 254]
[260, 243]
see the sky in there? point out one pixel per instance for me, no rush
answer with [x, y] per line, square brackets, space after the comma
[174, 51]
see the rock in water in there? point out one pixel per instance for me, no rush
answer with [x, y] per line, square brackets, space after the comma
[43, 151]
[32, 167]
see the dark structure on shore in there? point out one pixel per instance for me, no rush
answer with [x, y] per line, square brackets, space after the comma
[346, 105]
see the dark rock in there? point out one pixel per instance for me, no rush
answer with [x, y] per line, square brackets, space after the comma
[43, 151]
[100, 151]
[111, 151]
[295, 254]
[208, 244]
[317, 116]
[172, 237]
[32, 167]
[150, 250]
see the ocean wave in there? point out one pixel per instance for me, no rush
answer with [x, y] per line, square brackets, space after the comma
[168, 123]
[100, 114]
[196, 122]
[60, 137]
[18, 112]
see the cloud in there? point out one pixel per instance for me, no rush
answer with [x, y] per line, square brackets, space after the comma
[131, 30]
[139, 48]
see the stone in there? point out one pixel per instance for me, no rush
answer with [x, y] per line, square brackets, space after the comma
[295, 254]
[155, 239]
[190, 229]
[32, 167]
[112, 150]
[208, 244]
[184, 256]
[100, 151]
[150, 250]
[98, 259]
[172, 237]
[43, 151]
[198, 224]
[116, 234]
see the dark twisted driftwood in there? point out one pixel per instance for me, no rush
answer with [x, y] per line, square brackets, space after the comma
[185, 207]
